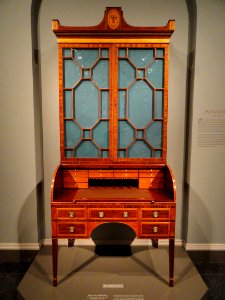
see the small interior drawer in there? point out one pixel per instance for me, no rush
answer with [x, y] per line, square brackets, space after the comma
[100, 174]
[125, 173]
[75, 178]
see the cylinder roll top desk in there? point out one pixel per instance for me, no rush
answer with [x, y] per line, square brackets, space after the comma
[113, 99]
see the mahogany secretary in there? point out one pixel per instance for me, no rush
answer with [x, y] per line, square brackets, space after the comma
[113, 97]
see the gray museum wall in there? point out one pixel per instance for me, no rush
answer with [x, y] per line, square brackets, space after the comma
[206, 170]
[20, 175]
[30, 119]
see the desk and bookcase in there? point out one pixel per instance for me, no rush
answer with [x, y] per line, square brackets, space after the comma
[113, 99]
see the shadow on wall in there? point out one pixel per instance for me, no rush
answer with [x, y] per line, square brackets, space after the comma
[31, 217]
[38, 127]
[31, 225]
[192, 17]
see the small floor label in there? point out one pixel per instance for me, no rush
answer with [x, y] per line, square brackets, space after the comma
[128, 297]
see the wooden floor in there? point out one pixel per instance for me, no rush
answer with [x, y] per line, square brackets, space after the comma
[140, 273]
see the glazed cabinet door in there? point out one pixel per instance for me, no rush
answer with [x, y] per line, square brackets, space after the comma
[85, 84]
[141, 85]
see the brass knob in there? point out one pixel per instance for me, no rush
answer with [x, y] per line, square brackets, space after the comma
[71, 229]
[125, 214]
[155, 214]
[155, 229]
[101, 214]
[71, 214]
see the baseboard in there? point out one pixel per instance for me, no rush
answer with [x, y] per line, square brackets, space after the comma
[19, 246]
[204, 247]
[64, 242]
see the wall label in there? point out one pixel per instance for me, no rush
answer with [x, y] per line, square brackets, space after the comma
[211, 128]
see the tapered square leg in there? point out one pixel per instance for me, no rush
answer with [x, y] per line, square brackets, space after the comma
[171, 262]
[155, 243]
[71, 242]
[55, 260]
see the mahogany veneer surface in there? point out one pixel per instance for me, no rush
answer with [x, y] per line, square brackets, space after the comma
[116, 194]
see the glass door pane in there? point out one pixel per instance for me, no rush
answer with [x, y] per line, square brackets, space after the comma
[140, 102]
[86, 102]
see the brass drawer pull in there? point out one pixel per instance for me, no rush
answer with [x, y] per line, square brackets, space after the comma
[155, 214]
[125, 214]
[155, 229]
[71, 214]
[71, 229]
[101, 214]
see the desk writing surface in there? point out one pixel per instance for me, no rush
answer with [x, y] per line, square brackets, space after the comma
[128, 194]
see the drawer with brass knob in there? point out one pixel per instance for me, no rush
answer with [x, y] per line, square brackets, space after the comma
[108, 213]
[70, 213]
[154, 229]
[78, 229]
[156, 213]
